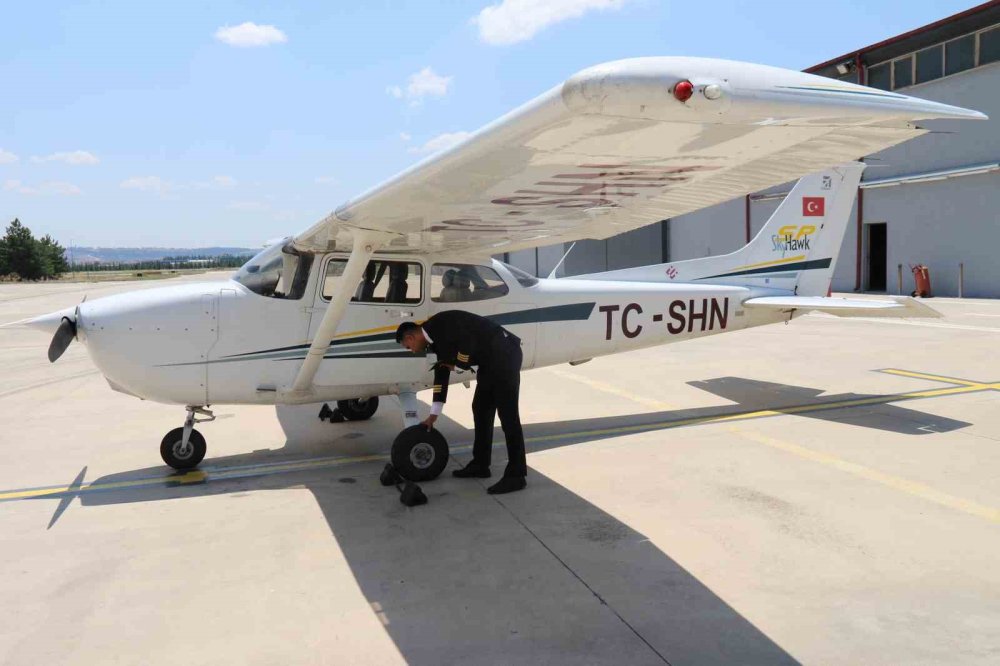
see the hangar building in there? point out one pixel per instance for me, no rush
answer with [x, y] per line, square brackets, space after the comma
[934, 200]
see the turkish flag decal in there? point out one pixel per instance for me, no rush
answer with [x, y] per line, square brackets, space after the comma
[813, 206]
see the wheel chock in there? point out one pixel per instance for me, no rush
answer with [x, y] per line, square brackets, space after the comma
[331, 415]
[412, 495]
[390, 476]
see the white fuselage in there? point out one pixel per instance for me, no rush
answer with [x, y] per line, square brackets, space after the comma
[221, 343]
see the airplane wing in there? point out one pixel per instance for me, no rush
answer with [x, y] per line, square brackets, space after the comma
[623, 145]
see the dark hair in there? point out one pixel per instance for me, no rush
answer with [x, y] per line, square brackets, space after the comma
[404, 328]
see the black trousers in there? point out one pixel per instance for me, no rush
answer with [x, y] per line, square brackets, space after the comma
[498, 383]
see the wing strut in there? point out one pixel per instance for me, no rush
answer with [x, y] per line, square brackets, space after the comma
[365, 245]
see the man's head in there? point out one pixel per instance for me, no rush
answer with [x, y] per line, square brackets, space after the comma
[411, 336]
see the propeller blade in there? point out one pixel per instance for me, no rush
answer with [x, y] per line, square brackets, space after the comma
[60, 341]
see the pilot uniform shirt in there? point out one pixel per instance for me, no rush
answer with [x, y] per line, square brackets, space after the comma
[461, 339]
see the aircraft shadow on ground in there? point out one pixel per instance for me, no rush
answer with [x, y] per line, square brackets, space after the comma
[541, 575]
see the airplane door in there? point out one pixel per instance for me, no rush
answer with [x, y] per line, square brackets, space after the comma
[364, 351]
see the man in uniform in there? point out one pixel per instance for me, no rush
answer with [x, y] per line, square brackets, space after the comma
[462, 339]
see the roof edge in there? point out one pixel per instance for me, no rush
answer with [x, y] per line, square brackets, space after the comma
[852, 55]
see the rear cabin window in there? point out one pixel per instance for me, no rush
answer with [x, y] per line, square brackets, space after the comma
[396, 282]
[461, 283]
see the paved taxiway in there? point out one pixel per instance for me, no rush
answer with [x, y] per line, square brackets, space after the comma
[771, 496]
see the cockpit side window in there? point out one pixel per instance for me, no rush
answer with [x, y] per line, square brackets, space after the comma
[280, 271]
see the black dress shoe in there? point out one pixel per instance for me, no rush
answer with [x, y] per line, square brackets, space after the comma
[472, 471]
[507, 484]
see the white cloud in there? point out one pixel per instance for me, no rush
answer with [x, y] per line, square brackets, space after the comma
[428, 82]
[247, 206]
[147, 184]
[441, 142]
[7, 157]
[403, 136]
[224, 181]
[325, 180]
[514, 21]
[75, 158]
[425, 83]
[249, 34]
[217, 183]
[53, 187]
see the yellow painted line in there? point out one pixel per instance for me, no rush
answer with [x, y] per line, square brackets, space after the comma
[613, 390]
[203, 476]
[936, 378]
[913, 488]
[763, 413]
[787, 260]
[222, 474]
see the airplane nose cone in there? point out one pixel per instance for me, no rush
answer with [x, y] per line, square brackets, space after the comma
[49, 323]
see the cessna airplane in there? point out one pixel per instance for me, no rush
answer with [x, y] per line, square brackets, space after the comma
[613, 148]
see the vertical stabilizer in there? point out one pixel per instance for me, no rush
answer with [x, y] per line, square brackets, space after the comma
[795, 251]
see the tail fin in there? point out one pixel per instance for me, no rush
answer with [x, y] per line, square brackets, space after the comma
[796, 250]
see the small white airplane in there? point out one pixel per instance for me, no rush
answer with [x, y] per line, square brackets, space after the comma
[613, 148]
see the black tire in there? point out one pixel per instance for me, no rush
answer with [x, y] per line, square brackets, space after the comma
[359, 409]
[170, 446]
[419, 454]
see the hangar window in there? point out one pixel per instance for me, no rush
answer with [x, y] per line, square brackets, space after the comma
[989, 45]
[383, 282]
[880, 77]
[944, 59]
[960, 54]
[457, 283]
[930, 64]
[902, 72]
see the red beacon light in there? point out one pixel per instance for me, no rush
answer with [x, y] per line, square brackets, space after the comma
[683, 90]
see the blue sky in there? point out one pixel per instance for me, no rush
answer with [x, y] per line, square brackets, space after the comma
[229, 123]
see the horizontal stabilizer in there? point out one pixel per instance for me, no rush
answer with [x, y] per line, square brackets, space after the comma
[903, 306]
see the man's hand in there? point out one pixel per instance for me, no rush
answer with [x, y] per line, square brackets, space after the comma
[429, 421]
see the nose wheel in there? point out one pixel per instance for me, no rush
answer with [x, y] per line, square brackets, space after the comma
[183, 448]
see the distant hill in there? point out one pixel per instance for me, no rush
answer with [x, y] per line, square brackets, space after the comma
[100, 255]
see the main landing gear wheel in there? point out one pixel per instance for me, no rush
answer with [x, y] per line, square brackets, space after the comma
[178, 456]
[359, 409]
[419, 454]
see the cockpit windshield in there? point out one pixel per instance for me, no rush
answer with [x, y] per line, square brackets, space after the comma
[524, 278]
[280, 271]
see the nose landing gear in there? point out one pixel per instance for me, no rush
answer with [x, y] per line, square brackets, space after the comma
[184, 447]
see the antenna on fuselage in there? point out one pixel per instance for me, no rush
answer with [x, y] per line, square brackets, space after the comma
[553, 273]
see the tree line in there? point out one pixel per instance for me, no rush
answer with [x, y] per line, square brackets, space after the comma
[24, 257]
[166, 263]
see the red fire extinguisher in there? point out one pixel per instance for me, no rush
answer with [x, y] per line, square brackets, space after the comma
[922, 281]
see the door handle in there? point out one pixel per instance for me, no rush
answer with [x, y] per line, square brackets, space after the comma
[400, 313]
